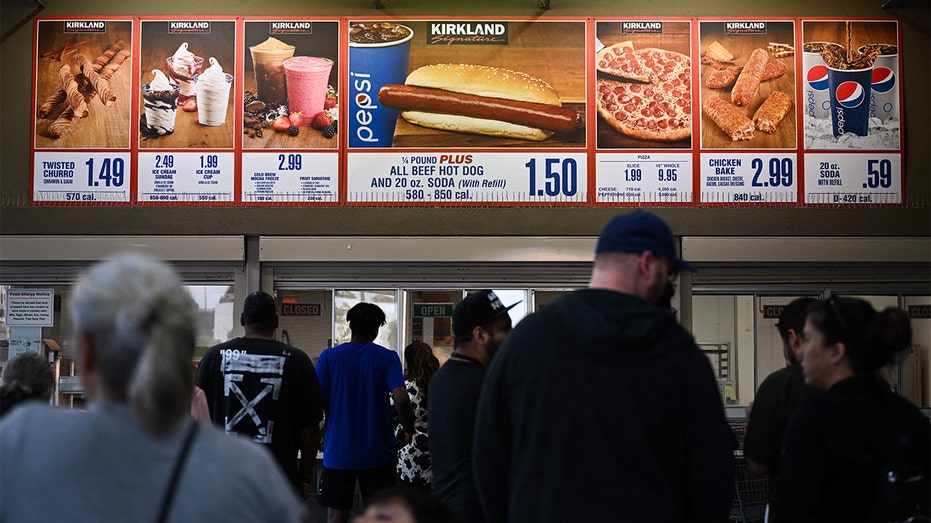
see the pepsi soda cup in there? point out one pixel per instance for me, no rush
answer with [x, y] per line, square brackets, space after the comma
[379, 54]
[817, 101]
[850, 100]
[884, 92]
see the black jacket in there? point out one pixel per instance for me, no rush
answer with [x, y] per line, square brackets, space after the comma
[600, 407]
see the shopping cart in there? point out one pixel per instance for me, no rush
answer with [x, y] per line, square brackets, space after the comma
[750, 493]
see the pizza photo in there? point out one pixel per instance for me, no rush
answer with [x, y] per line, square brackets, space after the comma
[643, 89]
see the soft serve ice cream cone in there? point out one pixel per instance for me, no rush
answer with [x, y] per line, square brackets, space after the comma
[182, 66]
[213, 93]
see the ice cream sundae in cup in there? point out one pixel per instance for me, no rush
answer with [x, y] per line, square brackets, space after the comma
[182, 66]
[213, 94]
[161, 104]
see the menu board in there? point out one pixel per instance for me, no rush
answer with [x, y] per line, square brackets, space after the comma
[426, 111]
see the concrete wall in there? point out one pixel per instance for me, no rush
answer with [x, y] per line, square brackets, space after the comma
[18, 217]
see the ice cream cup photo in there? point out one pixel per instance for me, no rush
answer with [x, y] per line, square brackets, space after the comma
[850, 100]
[884, 88]
[213, 94]
[267, 58]
[307, 79]
[817, 103]
[161, 104]
[182, 67]
[379, 54]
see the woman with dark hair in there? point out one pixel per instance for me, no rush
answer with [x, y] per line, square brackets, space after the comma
[26, 377]
[414, 466]
[838, 447]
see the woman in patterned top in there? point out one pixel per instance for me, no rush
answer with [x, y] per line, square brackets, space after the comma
[414, 466]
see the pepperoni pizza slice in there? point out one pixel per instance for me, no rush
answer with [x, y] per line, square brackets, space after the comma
[658, 110]
[622, 61]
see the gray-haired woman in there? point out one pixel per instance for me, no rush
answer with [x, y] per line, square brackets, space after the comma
[135, 455]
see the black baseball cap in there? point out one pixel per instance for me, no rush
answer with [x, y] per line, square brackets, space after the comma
[638, 232]
[477, 309]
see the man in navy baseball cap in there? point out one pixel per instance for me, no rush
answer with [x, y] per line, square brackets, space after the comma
[576, 370]
[638, 232]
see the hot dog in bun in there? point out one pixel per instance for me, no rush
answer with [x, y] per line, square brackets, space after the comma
[480, 99]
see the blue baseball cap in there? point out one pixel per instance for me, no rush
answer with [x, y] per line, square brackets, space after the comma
[641, 231]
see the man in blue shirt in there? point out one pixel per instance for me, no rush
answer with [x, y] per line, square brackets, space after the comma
[358, 441]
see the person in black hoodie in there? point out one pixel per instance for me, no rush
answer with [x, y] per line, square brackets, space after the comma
[600, 406]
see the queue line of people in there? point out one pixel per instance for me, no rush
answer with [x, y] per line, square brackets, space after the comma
[599, 406]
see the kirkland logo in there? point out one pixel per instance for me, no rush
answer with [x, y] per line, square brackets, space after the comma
[641, 27]
[188, 27]
[745, 27]
[291, 27]
[85, 26]
[467, 33]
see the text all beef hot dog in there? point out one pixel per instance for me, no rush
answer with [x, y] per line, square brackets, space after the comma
[480, 100]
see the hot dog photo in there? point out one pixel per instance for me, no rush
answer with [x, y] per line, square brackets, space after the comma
[747, 84]
[467, 84]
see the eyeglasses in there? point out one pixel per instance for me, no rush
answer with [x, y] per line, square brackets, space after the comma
[835, 309]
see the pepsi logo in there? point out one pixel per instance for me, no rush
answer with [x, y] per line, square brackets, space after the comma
[883, 79]
[818, 77]
[850, 94]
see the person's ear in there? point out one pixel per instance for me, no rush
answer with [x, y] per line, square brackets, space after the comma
[837, 352]
[242, 319]
[645, 262]
[795, 344]
[479, 334]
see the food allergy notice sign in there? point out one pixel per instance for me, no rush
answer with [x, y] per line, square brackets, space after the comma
[30, 307]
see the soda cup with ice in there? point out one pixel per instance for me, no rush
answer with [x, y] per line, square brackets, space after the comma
[849, 90]
[884, 92]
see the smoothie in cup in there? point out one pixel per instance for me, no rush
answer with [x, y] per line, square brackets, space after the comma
[182, 66]
[213, 94]
[269, 71]
[307, 80]
[161, 104]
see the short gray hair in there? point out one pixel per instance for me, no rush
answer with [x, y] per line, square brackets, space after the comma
[141, 322]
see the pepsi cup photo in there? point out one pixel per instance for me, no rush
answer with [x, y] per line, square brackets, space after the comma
[817, 102]
[850, 104]
[884, 92]
[379, 54]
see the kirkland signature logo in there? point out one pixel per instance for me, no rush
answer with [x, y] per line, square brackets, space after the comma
[745, 27]
[290, 27]
[85, 26]
[188, 27]
[641, 27]
[467, 33]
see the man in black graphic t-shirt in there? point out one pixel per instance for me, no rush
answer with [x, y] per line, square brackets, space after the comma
[265, 389]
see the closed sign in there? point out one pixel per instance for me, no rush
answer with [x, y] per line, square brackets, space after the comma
[300, 309]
